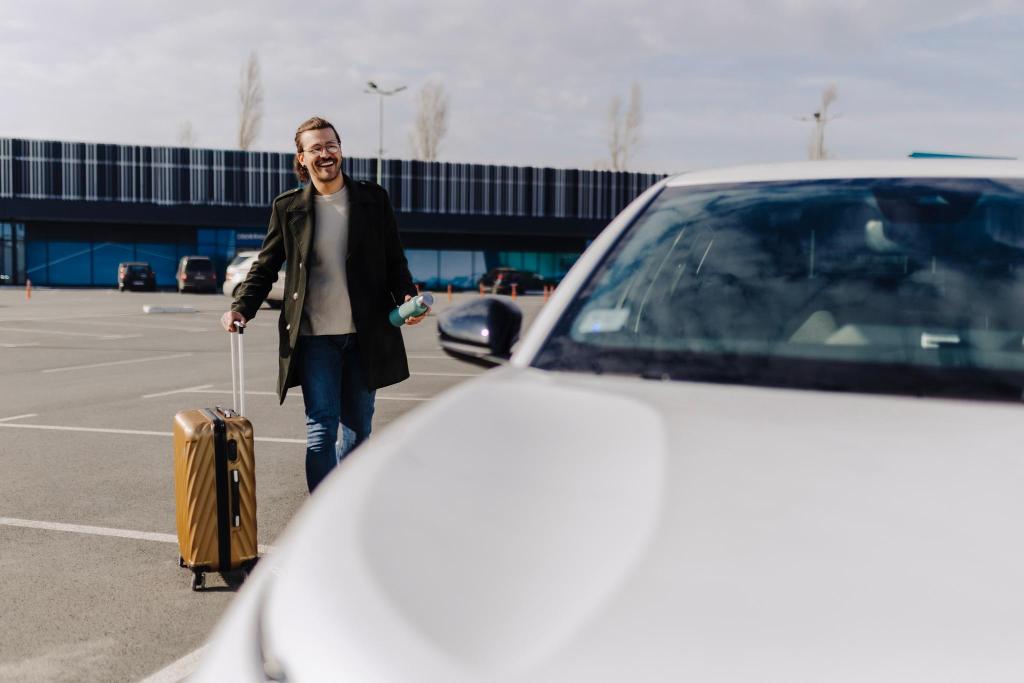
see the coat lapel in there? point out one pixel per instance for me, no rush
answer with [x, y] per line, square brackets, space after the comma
[358, 217]
[300, 221]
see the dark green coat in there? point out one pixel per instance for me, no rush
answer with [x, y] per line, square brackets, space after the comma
[378, 279]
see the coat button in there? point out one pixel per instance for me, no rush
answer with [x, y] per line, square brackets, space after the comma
[295, 296]
[300, 264]
[288, 326]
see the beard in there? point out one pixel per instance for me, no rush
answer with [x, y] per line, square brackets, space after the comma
[326, 173]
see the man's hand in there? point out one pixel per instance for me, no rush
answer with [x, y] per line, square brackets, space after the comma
[229, 319]
[415, 320]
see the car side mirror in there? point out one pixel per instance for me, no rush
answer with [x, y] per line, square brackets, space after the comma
[481, 332]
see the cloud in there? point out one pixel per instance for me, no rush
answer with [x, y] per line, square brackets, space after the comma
[530, 82]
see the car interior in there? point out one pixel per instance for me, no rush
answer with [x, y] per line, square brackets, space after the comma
[897, 273]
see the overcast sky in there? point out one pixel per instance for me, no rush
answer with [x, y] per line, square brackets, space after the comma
[723, 81]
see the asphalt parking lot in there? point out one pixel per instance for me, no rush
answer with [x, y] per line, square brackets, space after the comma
[91, 588]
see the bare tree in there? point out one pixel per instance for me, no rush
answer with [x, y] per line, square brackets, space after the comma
[816, 149]
[250, 101]
[624, 128]
[431, 121]
[186, 135]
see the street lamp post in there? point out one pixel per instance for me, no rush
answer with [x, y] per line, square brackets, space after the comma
[373, 89]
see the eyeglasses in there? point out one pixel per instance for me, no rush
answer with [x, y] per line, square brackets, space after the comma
[331, 148]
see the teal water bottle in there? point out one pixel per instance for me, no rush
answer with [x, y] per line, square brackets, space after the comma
[418, 305]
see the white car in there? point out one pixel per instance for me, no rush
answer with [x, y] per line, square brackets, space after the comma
[769, 428]
[239, 268]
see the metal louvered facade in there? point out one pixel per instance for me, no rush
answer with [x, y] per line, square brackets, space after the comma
[68, 198]
[34, 169]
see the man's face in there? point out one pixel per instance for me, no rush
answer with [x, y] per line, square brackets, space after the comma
[321, 163]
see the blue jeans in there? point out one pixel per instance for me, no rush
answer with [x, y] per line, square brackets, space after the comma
[335, 393]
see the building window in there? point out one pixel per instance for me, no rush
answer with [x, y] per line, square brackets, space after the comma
[12, 254]
[436, 269]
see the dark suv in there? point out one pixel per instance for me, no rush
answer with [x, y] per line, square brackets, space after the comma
[500, 281]
[196, 273]
[135, 275]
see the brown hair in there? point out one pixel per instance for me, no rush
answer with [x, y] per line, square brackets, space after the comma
[315, 123]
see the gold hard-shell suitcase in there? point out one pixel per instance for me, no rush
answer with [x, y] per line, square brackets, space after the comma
[215, 484]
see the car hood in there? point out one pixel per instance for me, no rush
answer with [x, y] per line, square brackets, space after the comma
[545, 526]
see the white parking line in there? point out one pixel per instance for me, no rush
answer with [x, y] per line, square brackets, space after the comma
[445, 374]
[91, 530]
[98, 430]
[179, 391]
[18, 346]
[176, 328]
[18, 417]
[65, 333]
[225, 391]
[177, 671]
[99, 531]
[129, 432]
[274, 439]
[117, 362]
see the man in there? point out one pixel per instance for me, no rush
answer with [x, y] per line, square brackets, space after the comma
[345, 271]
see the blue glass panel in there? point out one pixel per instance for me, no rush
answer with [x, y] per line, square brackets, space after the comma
[19, 260]
[225, 250]
[457, 269]
[206, 244]
[531, 261]
[70, 263]
[163, 258]
[35, 262]
[479, 265]
[547, 264]
[565, 262]
[105, 258]
[422, 264]
[6, 262]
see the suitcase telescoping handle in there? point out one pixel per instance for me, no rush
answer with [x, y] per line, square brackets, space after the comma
[237, 371]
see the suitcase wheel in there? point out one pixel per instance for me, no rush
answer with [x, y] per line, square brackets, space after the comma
[198, 581]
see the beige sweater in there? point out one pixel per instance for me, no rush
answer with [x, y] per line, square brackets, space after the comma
[328, 309]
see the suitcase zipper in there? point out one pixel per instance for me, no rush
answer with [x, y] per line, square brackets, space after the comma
[220, 449]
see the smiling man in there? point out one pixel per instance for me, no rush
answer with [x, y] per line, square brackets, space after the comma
[346, 270]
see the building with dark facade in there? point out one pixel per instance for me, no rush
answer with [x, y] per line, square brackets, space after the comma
[70, 211]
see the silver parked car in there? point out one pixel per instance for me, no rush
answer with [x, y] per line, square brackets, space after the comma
[239, 268]
[769, 428]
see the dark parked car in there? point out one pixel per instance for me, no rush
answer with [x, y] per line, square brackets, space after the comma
[135, 275]
[196, 273]
[500, 281]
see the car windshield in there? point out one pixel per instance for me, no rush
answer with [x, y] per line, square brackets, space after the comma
[909, 286]
[198, 266]
[138, 270]
[237, 260]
